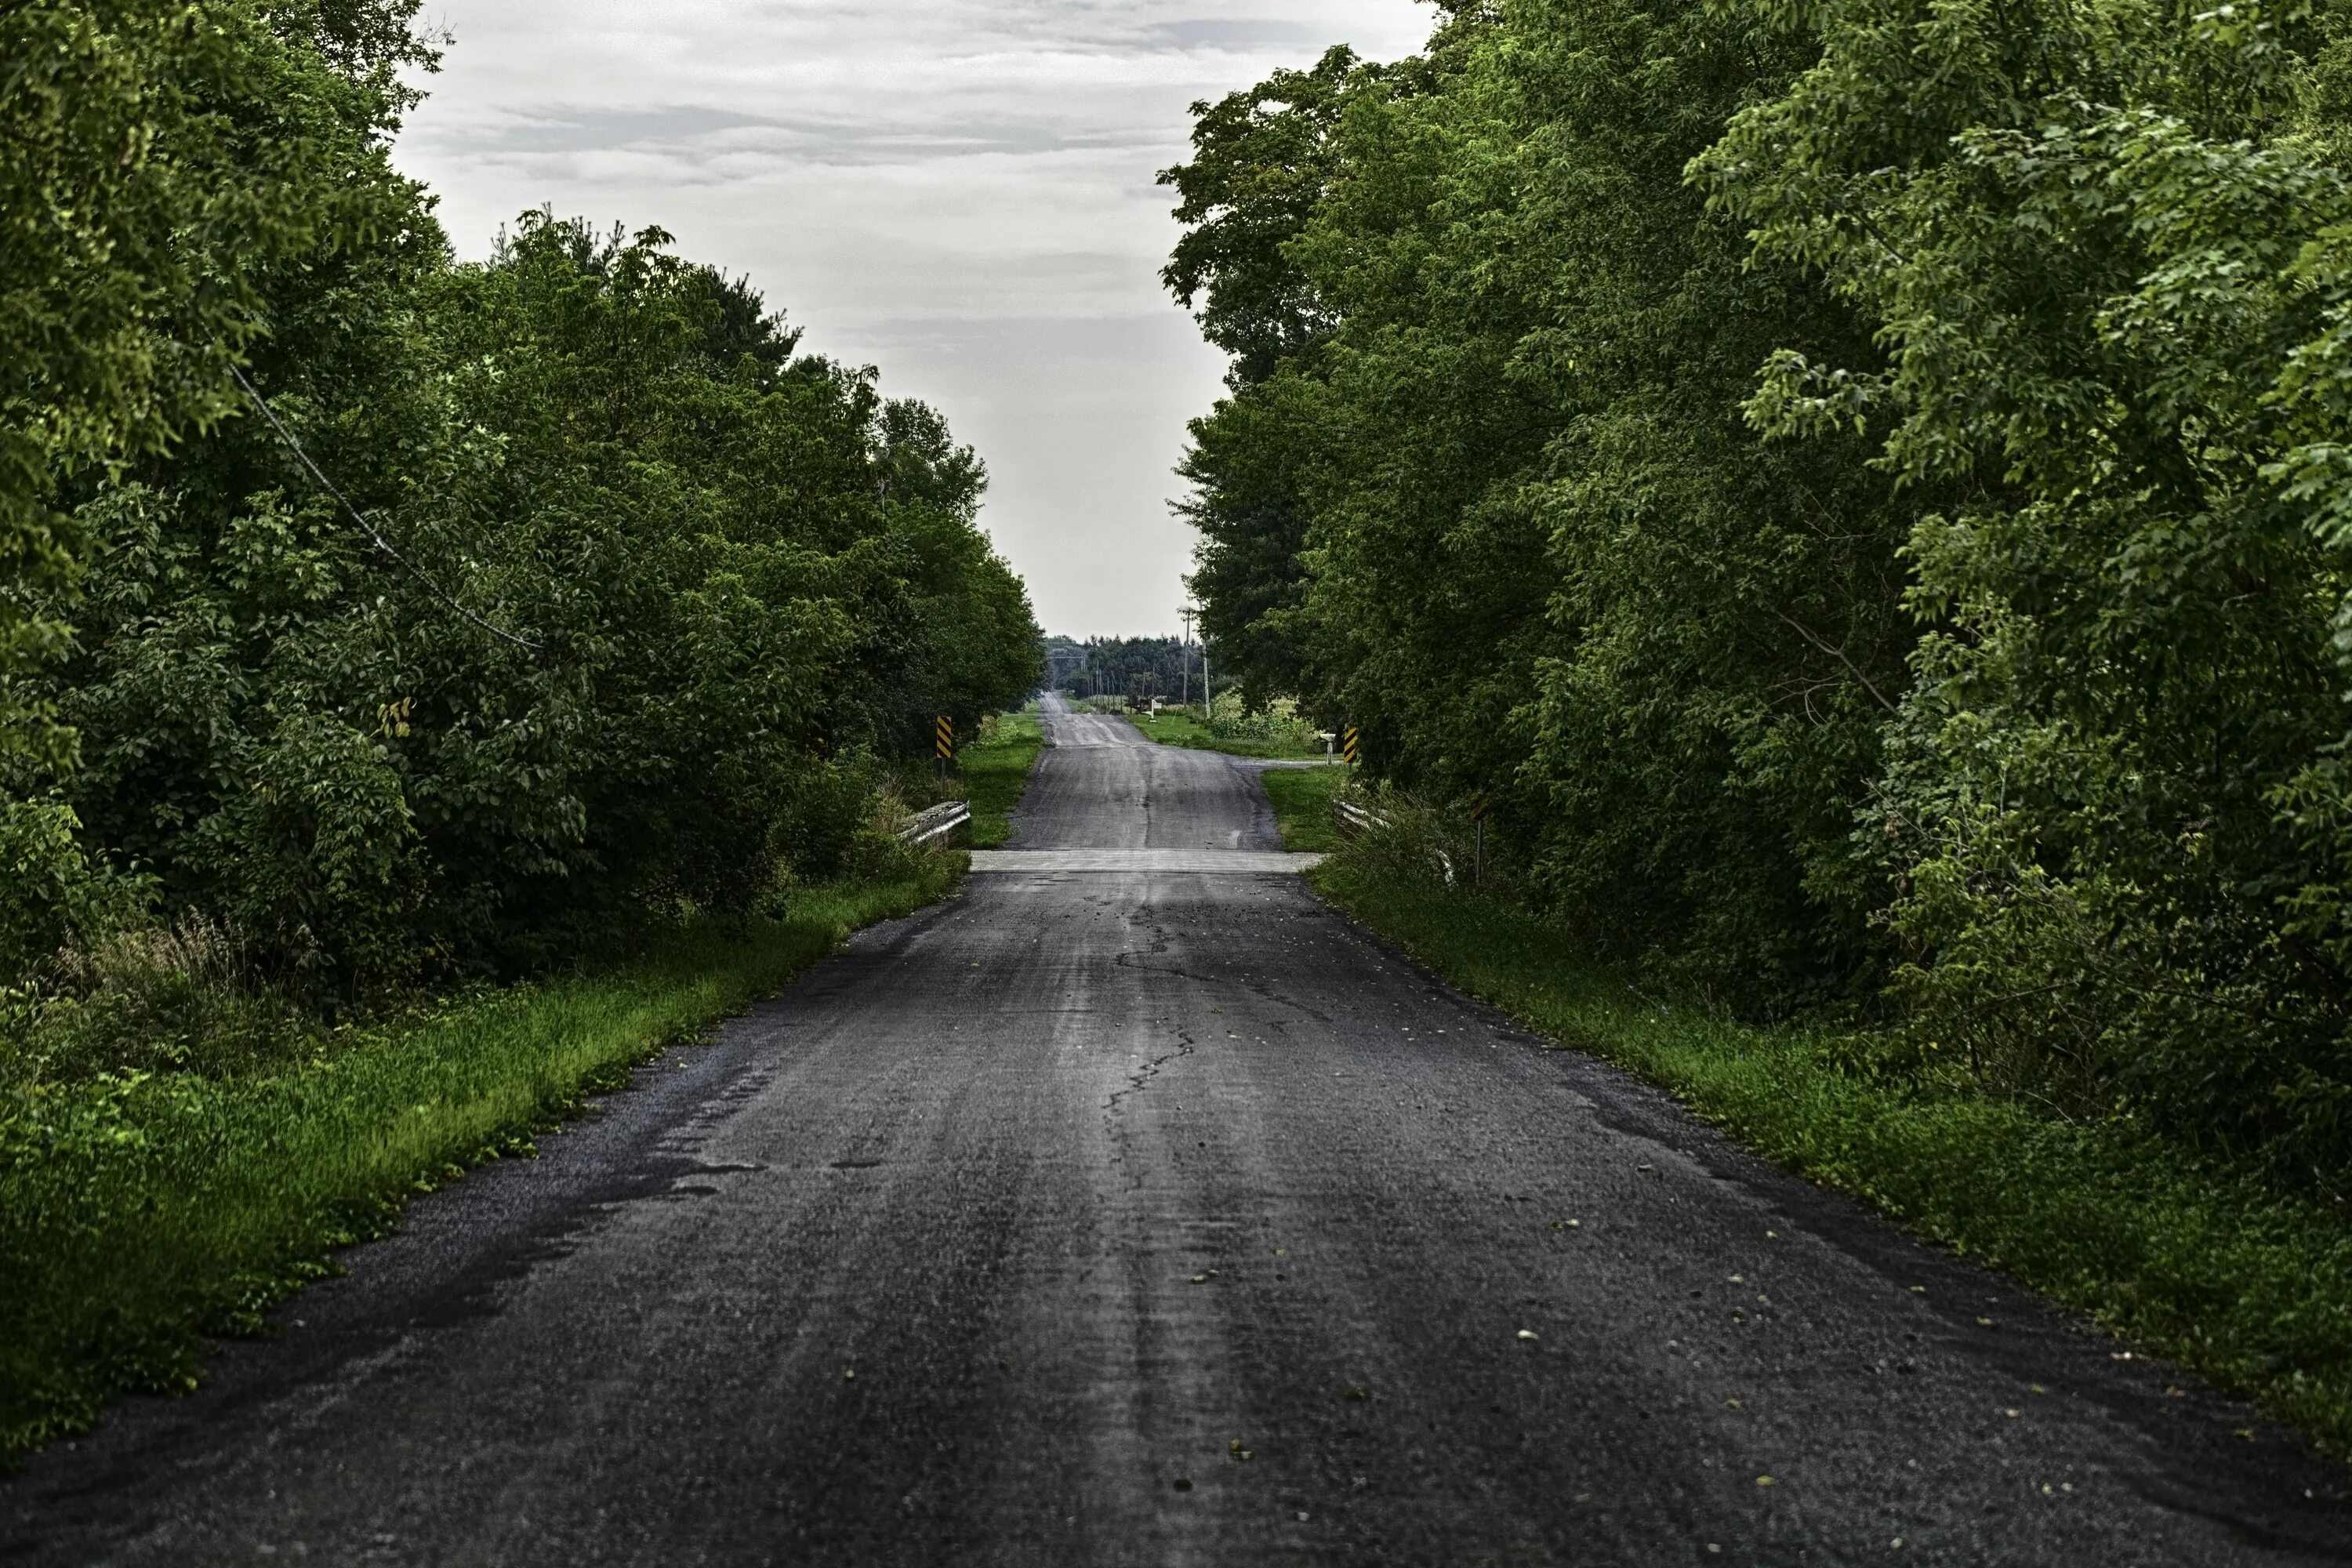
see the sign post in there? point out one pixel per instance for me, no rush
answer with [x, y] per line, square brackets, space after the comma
[1479, 805]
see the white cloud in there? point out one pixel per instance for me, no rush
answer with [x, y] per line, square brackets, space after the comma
[959, 190]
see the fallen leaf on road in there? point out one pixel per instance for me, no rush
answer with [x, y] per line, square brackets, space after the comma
[1766, 1482]
[1183, 1484]
[1566, 1224]
[1235, 1450]
[1526, 1333]
[2012, 1415]
[848, 1374]
[1357, 1394]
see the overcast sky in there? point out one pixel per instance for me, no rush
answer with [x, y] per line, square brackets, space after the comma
[957, 190]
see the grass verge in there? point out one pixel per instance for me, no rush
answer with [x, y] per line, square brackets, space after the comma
[1184, 730]
[2209, 1267]
[1302, 800]
[995, 772]
[145, 1216]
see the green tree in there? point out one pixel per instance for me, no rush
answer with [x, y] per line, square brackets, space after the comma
[1862, 488]
[1531, 548]
[156, 160]
[2100, 241]
[659, 589]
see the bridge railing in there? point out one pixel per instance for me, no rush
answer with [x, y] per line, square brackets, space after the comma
[938, 824]
[1354, 821]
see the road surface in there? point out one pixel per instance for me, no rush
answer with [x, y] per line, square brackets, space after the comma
[1138, 1215]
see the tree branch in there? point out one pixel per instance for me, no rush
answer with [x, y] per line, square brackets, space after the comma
[1839, 654]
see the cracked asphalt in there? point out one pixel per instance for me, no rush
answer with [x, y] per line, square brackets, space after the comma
[1159, 1218]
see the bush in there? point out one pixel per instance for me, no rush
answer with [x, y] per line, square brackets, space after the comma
[1279, 724]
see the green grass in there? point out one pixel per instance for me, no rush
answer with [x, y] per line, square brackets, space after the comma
[138, 1219]
[2251, 1287]
[1302, 800]
[1180, 729]
[996, 770]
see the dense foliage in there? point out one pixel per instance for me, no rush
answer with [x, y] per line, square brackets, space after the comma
[1859, 484]
[598, 598]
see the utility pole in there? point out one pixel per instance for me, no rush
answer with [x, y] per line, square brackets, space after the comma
[1185, 653]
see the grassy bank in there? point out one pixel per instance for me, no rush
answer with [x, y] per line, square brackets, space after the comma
[2209, 1266]
[1180, 727]
[996, 771]
[142, 1215]
[1302, 800]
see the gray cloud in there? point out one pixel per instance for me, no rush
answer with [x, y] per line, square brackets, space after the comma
[1241, 32]
[701, 134]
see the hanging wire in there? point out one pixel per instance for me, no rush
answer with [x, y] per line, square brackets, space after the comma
[366, 527]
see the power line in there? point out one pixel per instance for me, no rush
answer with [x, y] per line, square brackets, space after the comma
[365, 526]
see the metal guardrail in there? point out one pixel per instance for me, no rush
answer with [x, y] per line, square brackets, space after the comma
[937, 822]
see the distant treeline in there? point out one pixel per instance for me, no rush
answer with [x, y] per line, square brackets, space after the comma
[546, 590]
[1135, 667]
[1865, 489]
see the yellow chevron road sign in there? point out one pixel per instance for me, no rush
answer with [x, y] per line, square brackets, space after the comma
[1348, 746]
[945, 729]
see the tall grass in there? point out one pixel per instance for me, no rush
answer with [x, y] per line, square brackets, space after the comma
[143, 1212]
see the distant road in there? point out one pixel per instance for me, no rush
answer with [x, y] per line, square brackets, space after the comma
[1144, 1217]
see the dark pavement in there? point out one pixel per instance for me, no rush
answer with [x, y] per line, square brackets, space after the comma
[1161, 1218]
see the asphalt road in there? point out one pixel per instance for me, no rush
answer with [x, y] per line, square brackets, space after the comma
[1161, 1218]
